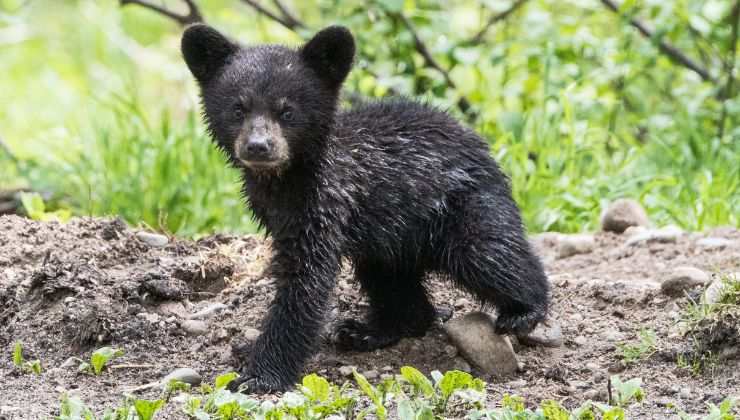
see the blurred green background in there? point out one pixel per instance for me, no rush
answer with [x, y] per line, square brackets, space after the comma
[100, 114]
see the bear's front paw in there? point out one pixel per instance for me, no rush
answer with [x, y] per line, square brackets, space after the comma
[353, 335]
[518, 323]
[253, 384]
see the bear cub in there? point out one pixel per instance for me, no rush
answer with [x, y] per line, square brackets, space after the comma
[398, 188]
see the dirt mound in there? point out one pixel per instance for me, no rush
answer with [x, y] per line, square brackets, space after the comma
[66, 289]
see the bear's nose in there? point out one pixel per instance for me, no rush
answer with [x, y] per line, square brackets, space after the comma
[257, 149]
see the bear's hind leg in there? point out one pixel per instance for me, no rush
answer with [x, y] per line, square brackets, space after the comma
[399, 307]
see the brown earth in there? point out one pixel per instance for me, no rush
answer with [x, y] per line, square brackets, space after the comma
[66, 289]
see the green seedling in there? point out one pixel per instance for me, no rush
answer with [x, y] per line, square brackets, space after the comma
[99, 359]
[633, 353]
[28, 366]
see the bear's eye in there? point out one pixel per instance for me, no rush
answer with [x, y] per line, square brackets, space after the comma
[237, 112]
[286, 115]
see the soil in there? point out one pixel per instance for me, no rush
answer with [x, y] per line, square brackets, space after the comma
[66, 289]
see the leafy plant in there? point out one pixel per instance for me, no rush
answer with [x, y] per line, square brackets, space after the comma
[633, 353]
[35, 207]
[32, 366]
[624, 393]
[99, 359]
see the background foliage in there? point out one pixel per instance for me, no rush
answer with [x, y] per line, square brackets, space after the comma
[579, 106]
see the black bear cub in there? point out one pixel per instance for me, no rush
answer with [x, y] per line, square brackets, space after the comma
[397, 187]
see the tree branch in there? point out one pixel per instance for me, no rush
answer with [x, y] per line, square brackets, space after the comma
[289, 17]
[286, 20]
[193, 15]
[728, 90]
[478, 37]
[430, 61]
[672, 52]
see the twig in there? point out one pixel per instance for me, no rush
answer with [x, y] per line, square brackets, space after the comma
[672, 52]
[430, 61]
[478, 37]
[286, 20]
[728, 90]
[290, 17]
[193, 15]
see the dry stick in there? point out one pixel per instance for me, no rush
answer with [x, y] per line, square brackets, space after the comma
[728, 91]
[290, 17]
[478, 37]
[672, 52]
[429, 60]
[193, 16]
[285, 20]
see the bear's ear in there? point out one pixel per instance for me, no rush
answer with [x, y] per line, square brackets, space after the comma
[330, 54]
[205, 51]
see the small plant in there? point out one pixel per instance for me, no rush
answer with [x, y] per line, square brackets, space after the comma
[633, 353]
[99, 360]
[35, 208]
[32, 366]
[723, 411]
[624, 393]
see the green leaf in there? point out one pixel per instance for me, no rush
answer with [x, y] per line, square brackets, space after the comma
[102, 356]
[317, 387]
[392, 5]
[406, 410]
[223, 380]
[455, 380]
[373, 394]
[146, 409]
[34, 366]
[417, 379]
[552, 410]
[18, 354]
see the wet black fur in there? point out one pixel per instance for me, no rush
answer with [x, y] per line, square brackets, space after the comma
[397, 187]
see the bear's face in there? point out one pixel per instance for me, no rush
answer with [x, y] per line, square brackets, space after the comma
[269, 106]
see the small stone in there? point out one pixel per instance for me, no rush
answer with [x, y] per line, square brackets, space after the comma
[387, 368]
[475, 337]
[578, 384]
[547, 333]
[194, 327]
[346, 370]
[451, 350]
[209, 311]
[714, 243]
[569, 245]
[152, 239]
[576, 318]
[668, 234]
[580, 341]
[148, 316]
[461, 303]
[682, 279]
[186, 375]
[590, 394]
[70, 362]
[519, 383]
[591, 366]
[69, 299]
[251, 334]
[611, 335]
[385, 376]
[685, 393]
[462, 365]
[371, 374]
[621, 214]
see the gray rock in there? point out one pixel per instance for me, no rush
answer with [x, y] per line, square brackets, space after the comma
[714, 243]
[186, 375]
[346, 370]
[548, 334]
[451, 350]
[152, 239]
[686, 393]
[209, 311]
[251, 334]
[683, 278]
[621, 214]
[569, 245]
[713, 293]
[580, 341]
[371, 374]
[194, 327]
[475, 338]
[519, 383]
[462, 365]
[70, 362]
[151, 317]
[667, 234]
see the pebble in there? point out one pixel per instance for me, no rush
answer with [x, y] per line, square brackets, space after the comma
[548, 334]
[209, 311]
[151, 317]
[194, 327]
[371, 374]
[475, 338]
[69, 299]
[519, 383]
[682, 279]
[186, 375]
[668, 234]
[611, 335]
[152, 239]
[70, 362]
[591, 394]
[346, 370]
[580, 341]
[387, 368]
[251, 334]
[593, 367]
[461, 365]
[621, 214]
[685, 393]
[569, 245]
[714, 243]
[451, 350]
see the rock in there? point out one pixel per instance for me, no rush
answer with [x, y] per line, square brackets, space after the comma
[461, 303]
[346, 370]
[151, 317]
[621, 214]
[387, 368]
[474, 336]
[569, 245]
[611, 335]
[666, 234]
[713, 293]
[580, 341]
[462, 365]
[714, 243]
[519, 383]
[371, 374]
[591, 366]
[591, 394]
[251, 334]
[451, 350]
[686, 393]
[194, 327]
[682, 279]
[548, 334]
[152, 239]
[209, 311]
[70, 362]
[186, 375]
